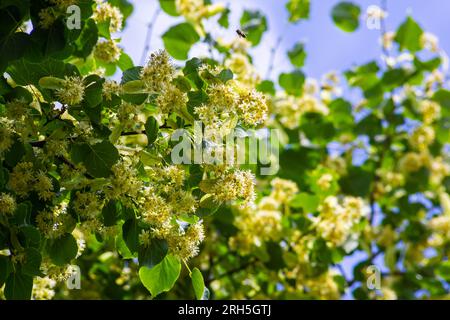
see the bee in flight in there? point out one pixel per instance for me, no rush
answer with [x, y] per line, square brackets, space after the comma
[241, 33]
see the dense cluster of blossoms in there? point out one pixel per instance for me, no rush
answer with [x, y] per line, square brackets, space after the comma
[58, 9]
[162, 202]
[239, 62]
[195, 11]
[337, 220]
[289, 109]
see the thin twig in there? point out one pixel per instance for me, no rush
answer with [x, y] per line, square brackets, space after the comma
[238, 269]
[148, 36]
[383, 30]
[273, 53]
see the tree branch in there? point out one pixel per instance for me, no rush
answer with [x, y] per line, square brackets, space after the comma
[148, 36]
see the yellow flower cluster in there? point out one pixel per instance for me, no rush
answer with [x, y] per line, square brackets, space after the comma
[43, 288]
[184, 244]
[49, 15]
[257, 225]
[234, 185]
[289, 109]
[23, 180]
[53, 221]
[262, 222]
[171, 99]
[323, 287]
[17, 109]
[124, 184]
[411, 162]
[158, 73]
[232, 100]
[157, 76]
[240, 65]
[7, 204]
[422, 137]
[431, 111]
[336, 220]
[386, 236]
[430, 41]
[439, 170]
[329, 88]
[54, 147]
[196, 10]
[155, 210]
[389, 181]
[104, 12]
[130, 116]
[324, 181]
[107, 51]
[6, 135]
[87, 205]
[283, 190]
[72, 91]
[111, 87]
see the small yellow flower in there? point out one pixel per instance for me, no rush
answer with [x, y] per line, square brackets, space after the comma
[72, 92]
[107, 51]
[7, 204]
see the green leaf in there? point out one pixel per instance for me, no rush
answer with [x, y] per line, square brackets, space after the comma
[32, 263]
[87, 39]
[25, 72]
[151, 129]
[276, 261]
[266, 86]
[125, 62]
[371, 126]
[103, 28]
[196, 98]
[98, 158]
[198, 283]
[122, 248]
[5, 269]
[31, 234]
[161, 277]
[225, 75]
[150, 256]
[316, 128]
[292, 82]
[408, 35]
[15, 153]
[111, 212]
[357, 182]
[130, 231]
[308, 202]
[298, 10]
[341, 114]
[224, 19]
[442, 96]
[346, 16]
[18, 286]
[169, 7]
[297, 55]
[133, 76]
[93, 92]
[190, 71]
[254, 24]
[394, 78]
[13, 45]
[443, 270]
[179, 39]
[63, 249]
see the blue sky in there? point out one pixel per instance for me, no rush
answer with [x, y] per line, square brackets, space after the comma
[328, 47]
